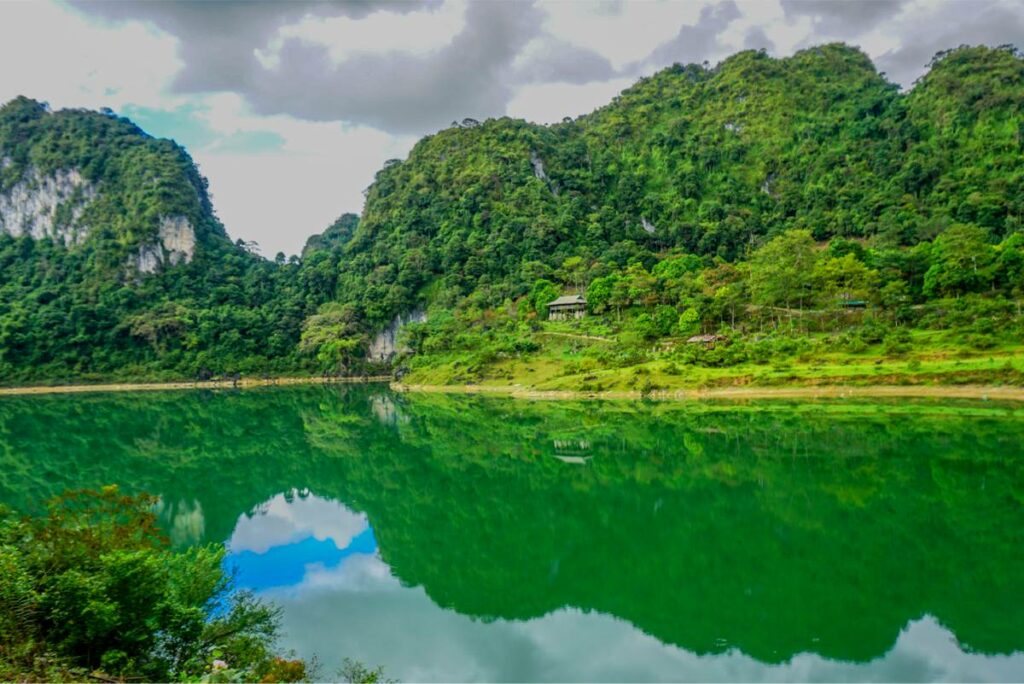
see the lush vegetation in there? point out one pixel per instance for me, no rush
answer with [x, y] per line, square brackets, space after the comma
[795, 206]
[82, 310]
[91, 589]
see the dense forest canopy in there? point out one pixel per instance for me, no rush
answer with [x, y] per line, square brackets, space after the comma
[699, 198]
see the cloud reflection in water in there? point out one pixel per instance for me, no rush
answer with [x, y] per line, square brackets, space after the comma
[318, 560]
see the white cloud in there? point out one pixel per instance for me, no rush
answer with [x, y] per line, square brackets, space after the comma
[280, 197]
[281, 521]
[623, 32]
[53, 54]
[414, 32]
[551, 102]
[785, 34]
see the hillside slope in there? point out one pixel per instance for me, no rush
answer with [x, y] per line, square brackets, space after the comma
[112, 261]
[796, 207]
[709, 161]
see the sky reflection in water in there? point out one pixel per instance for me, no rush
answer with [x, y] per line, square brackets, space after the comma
[320, 562]
[469, 538]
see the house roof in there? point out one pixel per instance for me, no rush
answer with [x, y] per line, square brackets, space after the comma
[568, 299]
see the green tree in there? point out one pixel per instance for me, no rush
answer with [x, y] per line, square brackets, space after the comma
[94, 583]
[332, 337]
[689, 322]
[844, 278]
[781, 272]
[543, 291]
[961, 261]
[599, 293]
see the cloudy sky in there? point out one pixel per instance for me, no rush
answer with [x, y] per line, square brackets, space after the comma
[289, 108]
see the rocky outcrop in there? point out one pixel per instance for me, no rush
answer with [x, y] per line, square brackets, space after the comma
[178, 239]
[52, 206]
[538, 166]
[176, 244]
[384, 345]
[538, 172]
[47, 206]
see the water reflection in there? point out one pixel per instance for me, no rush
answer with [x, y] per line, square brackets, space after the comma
[462, 538]
[294, 534]
[183, 521]
[318, 560]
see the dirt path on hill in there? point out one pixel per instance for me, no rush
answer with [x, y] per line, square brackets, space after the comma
[575, 336]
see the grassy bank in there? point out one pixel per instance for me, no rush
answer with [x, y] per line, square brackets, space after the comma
[983, 392]
[585, 363]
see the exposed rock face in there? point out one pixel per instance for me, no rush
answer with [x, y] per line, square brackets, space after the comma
[647, 225]
[538, 166]
[176, 244]
[538, 171]
[178, 238]
[47, 206]
[149, 259]
[384, 346]
[51, 207]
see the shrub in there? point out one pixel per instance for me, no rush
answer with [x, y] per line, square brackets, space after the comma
[872, 331]
[981, 341]
[95, 584]
[897, 342]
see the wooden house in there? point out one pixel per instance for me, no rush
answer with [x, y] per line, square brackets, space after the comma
[567, 307]
[709, 341]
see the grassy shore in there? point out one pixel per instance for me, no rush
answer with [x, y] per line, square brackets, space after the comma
[574, 363]
[983, 392]
[577, 365]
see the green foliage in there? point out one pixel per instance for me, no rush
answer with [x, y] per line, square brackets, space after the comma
[689, 322]
[93, 584]
[82, 309]
[712, 160]
[759, 193]
[354, 672]
[543, 291]
[781, 272]
[961, 262]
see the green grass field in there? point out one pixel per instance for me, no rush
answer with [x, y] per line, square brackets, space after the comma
[566, 362]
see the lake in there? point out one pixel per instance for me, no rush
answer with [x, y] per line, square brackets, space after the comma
[459, 538]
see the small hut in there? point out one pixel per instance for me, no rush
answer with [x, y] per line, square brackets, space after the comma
[709, 341]
[569, 306]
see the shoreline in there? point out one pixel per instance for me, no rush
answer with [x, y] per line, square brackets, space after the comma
[982, 392]
[244, 383]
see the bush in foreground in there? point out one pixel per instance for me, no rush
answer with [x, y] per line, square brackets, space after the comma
[93, 590]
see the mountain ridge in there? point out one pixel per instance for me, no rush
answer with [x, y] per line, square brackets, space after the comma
[661, 201]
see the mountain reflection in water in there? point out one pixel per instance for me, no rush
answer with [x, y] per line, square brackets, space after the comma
[464, 538]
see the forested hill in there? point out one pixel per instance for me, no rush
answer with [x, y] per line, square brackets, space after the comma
[706, 161]
[700, 199]
[81, 177]
[113, 263]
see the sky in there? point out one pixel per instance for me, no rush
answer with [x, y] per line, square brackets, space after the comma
[289, 108]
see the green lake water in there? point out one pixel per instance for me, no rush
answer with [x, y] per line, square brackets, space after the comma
[463, 538]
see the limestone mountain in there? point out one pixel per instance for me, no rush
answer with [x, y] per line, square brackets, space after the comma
[78, 177]
[710, 161]
[112, 259]
[696, 198]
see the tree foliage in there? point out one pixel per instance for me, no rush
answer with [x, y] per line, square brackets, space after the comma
[93, 586]
[788, 183]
